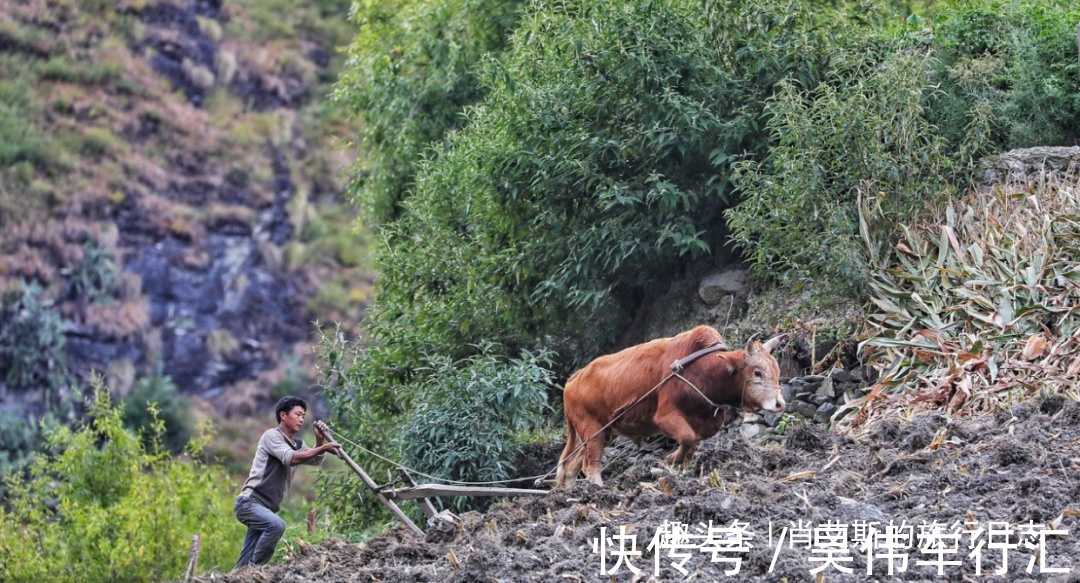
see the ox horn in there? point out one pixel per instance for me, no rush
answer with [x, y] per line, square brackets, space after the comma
[773, 342]
[750, 348]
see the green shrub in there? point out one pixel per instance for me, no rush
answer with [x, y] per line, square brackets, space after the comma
[67, 70]
[602, 152]
[20, 441]
[1011, 65]
[463, 422]
[98, 143]
[154, 399]
[92, 279]
[19, 142]
[369, 412]
[894, 124]
[860, 135]
[32, 342]
[410, 73]
[464, 425]
[105, 508]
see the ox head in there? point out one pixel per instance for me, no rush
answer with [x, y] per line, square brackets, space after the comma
[761, 377]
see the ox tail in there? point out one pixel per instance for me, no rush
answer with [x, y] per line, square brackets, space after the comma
[567, 470]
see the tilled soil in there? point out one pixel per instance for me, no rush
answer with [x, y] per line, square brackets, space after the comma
[819, 493]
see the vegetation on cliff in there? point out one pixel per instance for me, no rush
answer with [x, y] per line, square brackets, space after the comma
[172, 207]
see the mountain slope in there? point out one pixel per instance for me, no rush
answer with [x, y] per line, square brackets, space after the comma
[170, 180]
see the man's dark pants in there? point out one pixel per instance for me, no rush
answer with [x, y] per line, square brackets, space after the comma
[264, 531]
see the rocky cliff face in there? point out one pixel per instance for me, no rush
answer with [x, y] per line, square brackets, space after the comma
[207, 189]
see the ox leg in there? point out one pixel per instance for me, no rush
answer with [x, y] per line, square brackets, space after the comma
[676, 427]
[594, 452]
[570, 461]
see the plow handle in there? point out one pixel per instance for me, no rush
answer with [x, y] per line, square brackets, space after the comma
[321, 430]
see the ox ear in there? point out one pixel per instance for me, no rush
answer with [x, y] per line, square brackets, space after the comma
[773, 342]
[728, 366]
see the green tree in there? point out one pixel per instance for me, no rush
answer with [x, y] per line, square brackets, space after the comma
[409, 75]
[595, 169]
[103, 507]
[1008, 68]
[861, 135]
[155, 399]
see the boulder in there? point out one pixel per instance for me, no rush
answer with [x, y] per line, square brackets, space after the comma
[719, 286]
[824, 412]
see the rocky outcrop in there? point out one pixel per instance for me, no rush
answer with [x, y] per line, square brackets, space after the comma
[1029, 162]
[815, 398]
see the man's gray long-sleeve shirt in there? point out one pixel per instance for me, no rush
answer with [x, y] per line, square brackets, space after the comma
[272, 470]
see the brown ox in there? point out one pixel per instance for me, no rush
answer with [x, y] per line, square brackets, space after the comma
[605, 392]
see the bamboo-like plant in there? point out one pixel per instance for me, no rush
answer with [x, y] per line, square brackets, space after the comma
[979, 303]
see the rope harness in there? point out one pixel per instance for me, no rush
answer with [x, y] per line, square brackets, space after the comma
[676, 368]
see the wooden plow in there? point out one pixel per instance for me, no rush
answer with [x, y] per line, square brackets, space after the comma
[388, 494]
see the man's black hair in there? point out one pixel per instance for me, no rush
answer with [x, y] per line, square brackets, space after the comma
[286, 404]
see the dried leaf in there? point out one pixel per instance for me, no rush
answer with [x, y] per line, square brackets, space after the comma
[948, 231]
[1073, 512]
[1035, 347]
[1073, 368]
[797, 476]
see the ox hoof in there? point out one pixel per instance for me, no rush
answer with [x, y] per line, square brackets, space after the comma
[678, 464]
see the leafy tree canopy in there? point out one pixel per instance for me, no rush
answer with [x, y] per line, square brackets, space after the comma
[410, 71]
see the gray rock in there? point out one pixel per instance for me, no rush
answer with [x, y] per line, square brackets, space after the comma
[805, 391]
[749, 430]
[717, 287]
[855, 510]
[840, 375]
[824, 412]
[861, 374]
[788, 392]
[771, 419]
[827, 388]
[804, 409]
[818, 400]
[1030, 161]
